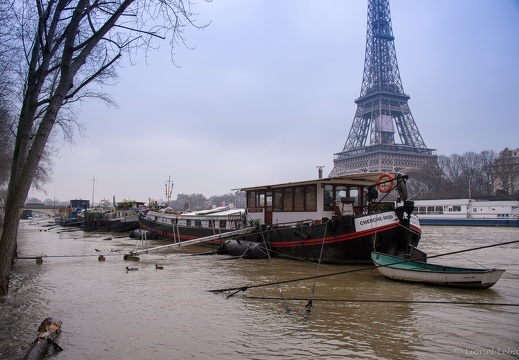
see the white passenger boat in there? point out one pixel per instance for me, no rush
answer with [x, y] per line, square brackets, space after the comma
[467, 212]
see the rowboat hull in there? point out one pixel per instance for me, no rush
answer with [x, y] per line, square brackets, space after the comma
[401, 269]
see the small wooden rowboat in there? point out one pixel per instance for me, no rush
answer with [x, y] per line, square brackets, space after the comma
[398, 268]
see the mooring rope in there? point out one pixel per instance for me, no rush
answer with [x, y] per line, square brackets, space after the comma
[309, 305]
[142, 241]
[273, 270]
[114, 253]
[246, 287]
[385, 301]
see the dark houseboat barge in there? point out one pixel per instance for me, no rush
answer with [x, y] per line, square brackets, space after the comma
[335, 220]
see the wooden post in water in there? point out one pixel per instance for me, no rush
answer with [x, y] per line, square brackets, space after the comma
[48, 332]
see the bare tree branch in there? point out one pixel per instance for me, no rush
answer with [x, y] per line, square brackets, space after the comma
[69, 46]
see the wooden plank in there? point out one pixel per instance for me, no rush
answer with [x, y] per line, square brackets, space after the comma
[198, 240]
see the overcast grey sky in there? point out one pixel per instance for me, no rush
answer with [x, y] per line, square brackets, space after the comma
[268, 94]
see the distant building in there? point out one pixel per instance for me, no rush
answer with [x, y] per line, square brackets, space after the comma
[506, 173]
[79, 204]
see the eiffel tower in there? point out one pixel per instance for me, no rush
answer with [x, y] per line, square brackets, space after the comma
[381, 108]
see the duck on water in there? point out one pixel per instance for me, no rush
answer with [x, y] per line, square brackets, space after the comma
[335, 220]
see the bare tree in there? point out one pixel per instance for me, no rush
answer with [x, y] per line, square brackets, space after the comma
[487, 158]
[451, 176]
[6, 87]
[6, 150]
[69, 46]
[469, 178]
[427, 180]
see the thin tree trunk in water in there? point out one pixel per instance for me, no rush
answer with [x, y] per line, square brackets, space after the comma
[48, 332]
[8, 243]
[58, 53]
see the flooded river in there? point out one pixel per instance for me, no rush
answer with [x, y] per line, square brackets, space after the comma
[108, 313]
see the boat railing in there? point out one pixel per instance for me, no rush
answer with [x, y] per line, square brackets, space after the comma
[294, 224]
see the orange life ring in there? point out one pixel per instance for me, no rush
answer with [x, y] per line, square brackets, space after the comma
[385, 187]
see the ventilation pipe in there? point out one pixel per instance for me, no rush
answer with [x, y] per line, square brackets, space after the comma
[320, 171]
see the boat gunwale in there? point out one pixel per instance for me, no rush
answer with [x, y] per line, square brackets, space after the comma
[423, 266]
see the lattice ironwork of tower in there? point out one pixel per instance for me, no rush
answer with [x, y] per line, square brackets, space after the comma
[381, 108]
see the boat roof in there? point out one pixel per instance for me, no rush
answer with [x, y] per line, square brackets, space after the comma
[365, 179]
[216, 212]
[446, 202]
[222, 210]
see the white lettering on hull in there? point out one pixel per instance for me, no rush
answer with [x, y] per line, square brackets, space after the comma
[376, 220]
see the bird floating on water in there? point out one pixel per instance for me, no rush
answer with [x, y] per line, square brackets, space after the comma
[159, 267]
[131, 269]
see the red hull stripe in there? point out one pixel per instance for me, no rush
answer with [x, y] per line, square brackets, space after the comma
[309, 242]
[333, 239]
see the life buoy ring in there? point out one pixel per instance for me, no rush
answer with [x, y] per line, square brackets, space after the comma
[387, 185]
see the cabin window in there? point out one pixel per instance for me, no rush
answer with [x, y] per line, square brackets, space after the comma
[299, 198]
[311, 198]
[251, 199]
[293, 198]
[260, 199]
[354, 192]
[439, 209]
[188, 222]
[223, 224]
[278, 200]
[198, 222]
[456, 208]
[268, 199]
[430, 209]
[256, 199]
[334, 193]
[340, 192]
[288, 199]
[211, 224]
[328, 197]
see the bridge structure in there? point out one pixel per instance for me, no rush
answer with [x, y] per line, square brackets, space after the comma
[51, 210]
[382, 110]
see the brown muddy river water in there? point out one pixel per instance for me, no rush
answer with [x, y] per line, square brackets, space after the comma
[108, 313]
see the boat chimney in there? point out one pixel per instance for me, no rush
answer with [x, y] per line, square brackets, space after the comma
[320, 170]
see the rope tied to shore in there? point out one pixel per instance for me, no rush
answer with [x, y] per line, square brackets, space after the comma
[351, 271]
[398, 301]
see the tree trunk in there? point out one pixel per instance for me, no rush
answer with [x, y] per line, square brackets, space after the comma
[59, 51]
[48, 332]
[8, 245]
